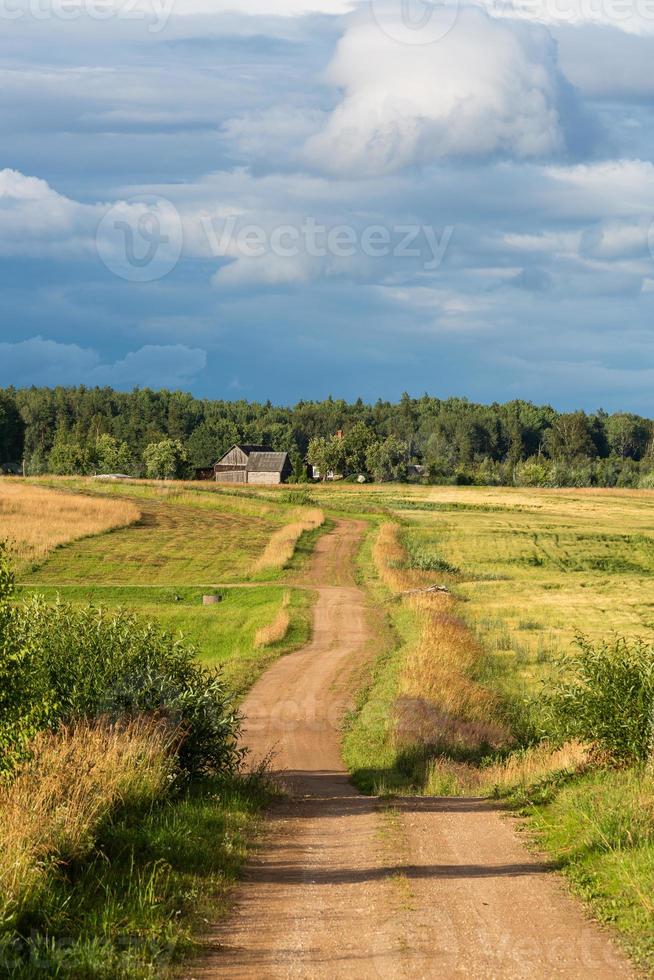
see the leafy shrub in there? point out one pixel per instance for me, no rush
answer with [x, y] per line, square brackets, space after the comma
[426, 561]
[60, 663]
[533, 472]
[302, 498]
[605, 696]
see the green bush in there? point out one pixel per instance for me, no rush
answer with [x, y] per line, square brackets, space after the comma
[533, 472]
[426, 561]
[60, 663]
[604, 695]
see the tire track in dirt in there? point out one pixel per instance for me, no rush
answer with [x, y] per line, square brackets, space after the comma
[347, 886]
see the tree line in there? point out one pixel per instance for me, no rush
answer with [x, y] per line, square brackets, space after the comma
[171, 433]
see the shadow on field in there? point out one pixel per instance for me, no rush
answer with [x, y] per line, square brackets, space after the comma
[339, 796]
[286, 872]
[329, 796]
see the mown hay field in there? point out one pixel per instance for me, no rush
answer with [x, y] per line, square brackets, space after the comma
[185, 540]
[36, 520]
[527, 572]
[186, 535]
[536, 568]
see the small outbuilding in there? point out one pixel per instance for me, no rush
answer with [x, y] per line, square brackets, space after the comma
[252, 464]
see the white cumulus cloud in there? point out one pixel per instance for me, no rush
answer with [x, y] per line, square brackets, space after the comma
[34, 218]
[486, 87]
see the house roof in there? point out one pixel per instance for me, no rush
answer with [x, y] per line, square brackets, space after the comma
[263, 462]
[245, 448]
[248, 450]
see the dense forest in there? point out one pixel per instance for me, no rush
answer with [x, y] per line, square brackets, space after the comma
[144, 432]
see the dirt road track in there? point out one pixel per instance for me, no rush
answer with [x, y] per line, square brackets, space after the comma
[346, 886]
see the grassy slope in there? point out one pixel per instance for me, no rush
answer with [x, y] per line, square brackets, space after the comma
[535, 568]
[133, 911]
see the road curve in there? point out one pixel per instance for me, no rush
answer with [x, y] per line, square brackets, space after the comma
[348, 886]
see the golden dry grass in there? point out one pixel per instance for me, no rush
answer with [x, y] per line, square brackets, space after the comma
[50, 810]
[437, 699]
[539, 566]
[390, 556]
[34, 520]
[281, 546]
[439, 703]
[519, 771]
[439, 667]
[276, 631]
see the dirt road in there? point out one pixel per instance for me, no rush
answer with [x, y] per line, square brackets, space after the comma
[346, 886]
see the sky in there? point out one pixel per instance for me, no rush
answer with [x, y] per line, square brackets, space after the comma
[287, 199]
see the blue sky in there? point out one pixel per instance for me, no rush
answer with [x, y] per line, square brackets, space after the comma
[284, 200]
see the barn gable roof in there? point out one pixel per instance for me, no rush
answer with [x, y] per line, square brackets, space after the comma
[247, 449]
[265, 462]
[237, 452]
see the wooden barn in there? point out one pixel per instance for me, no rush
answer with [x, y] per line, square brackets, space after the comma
[252, 464]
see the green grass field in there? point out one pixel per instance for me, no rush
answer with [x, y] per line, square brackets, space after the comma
[527, 571]
[134, 910]
[184, 537]
[223, 634]
[536, 568]
[190, 540]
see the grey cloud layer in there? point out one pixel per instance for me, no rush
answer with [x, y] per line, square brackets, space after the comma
[506, 130]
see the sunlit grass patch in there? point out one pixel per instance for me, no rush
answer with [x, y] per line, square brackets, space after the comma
[138, 904]
[600, 828]
[36, 520]
[224, 634]
[276, 631]
[281, 546]
[53, 807]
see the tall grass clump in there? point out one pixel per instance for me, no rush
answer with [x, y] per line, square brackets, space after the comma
[281, 546]
[51, 809]
[276, 631]
[437, 707]
[110, 732]
[403, 564]
[604, 696]
[442, 716]
[520, 775]
[390, 558]
[440, 669]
